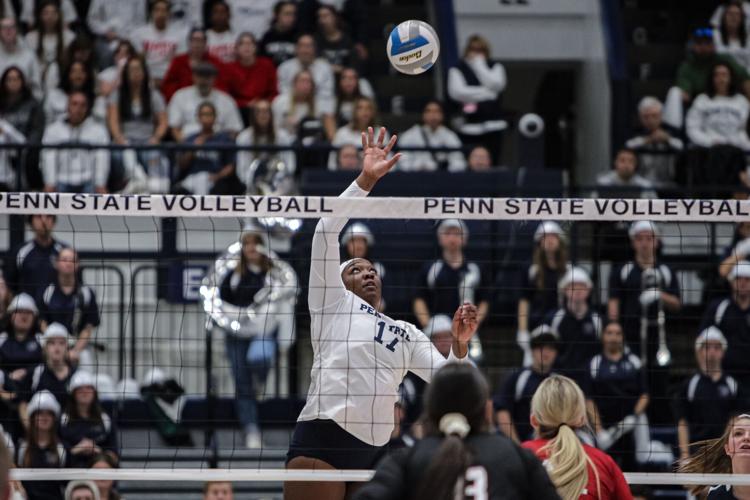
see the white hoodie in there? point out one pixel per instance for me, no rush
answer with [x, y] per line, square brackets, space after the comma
[718, 120]
[75, 166]
[26, 60]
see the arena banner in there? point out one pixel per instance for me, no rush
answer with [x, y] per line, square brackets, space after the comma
[581, 209]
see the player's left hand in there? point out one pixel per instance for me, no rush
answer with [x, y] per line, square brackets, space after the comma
[465, 322]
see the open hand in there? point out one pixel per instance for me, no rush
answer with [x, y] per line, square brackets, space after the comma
[375, 162]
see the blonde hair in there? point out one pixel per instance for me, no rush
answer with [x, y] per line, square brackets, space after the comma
[559, 407]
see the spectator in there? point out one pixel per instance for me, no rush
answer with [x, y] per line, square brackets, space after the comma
[251, 17]
[20, 350]
[452, 280]
[301, 103]
[182, 69]
[252, 77]
[159, 41]
[716, 17]
[538, 287]
[72, 304]
[250, 351]
[42, 448]
[108, 80]
[617, 386]
[182, 112]
[70, 170]
[85, 428]
[353, 15]
[113, 20]
[137, 114]
[217, 490]
[578, 327]
[365, 115]
[737, 251]
[433, 134]
[475, 85]
[80, 50]
[717, 120]
[707, 400]
[640, 291]
[653, 143]
[480, 159]
[694, 75]
[208, 171]
[13, 52]
[81, 490]
[50, 38]
[357, 240]
[32, 266]
[731, 36]
[349, 88]
[348, 158]
[9, 158]
[221, 39]
[262, 131]
[623, 181]
[106, 487]
[77, 77]
[187, 14]
[24, 113]
[512, 403]
[278, 42]
[730, 315]
[31, 7]
[306, 59]
[333, 43]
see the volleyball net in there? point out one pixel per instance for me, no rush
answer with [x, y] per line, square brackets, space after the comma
[161, 351]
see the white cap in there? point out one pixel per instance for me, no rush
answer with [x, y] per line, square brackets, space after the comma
[55, 330]
[438, 323]
[43, 401]
[74, 485]
[740, 270]
[81, 378]
[711, 334]
[154, 376]
[358, 229]
[543, 333]
[575, 274]
[548, 227]
[454, 223]
[256, 230]
[643, 226]
[24, 302]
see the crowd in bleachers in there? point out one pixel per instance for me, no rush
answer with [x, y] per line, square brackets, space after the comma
[136, 73]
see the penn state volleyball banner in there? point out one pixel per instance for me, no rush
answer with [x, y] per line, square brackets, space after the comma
[687, 210]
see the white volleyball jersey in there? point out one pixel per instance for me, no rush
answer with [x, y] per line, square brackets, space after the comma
[360, 356]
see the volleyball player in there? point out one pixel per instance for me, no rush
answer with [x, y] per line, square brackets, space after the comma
[360, 356]
[460, 456]
[728, 454]
[558, 410]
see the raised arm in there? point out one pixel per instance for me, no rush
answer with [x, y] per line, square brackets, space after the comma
[326, 287]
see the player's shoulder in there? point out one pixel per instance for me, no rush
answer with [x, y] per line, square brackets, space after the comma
[600, 458]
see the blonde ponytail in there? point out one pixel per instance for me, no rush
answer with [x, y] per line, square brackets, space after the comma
[558, 406]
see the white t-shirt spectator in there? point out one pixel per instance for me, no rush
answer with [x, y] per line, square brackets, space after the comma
[614, 183]
[49, 44]
[8, 135]
[56, 106]
[75, 166]
[442, 137]
[66, 8]
[183, 108]
[25, 59]
[138, 129]
[254, 16]
[119, 16]
[322, 74]
[221, 45]
[288, 117]
[159, 47]
[719, 13]
[718, 120]
[733, 48]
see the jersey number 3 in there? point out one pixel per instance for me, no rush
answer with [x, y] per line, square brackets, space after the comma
[379, 338]
[474, 485]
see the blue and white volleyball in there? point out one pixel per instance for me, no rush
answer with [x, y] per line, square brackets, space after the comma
[413, 47]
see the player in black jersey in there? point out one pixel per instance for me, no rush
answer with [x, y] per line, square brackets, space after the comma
[459, 451]
[729, 454]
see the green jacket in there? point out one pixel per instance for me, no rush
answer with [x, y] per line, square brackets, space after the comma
[693, 73]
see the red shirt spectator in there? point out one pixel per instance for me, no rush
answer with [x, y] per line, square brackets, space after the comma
[612, 484]
[251, 77]
[180, 72]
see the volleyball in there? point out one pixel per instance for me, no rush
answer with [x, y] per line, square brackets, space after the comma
[413, 47]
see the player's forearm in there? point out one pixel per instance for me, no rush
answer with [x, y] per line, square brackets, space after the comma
[366, 182]
[460, 349]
